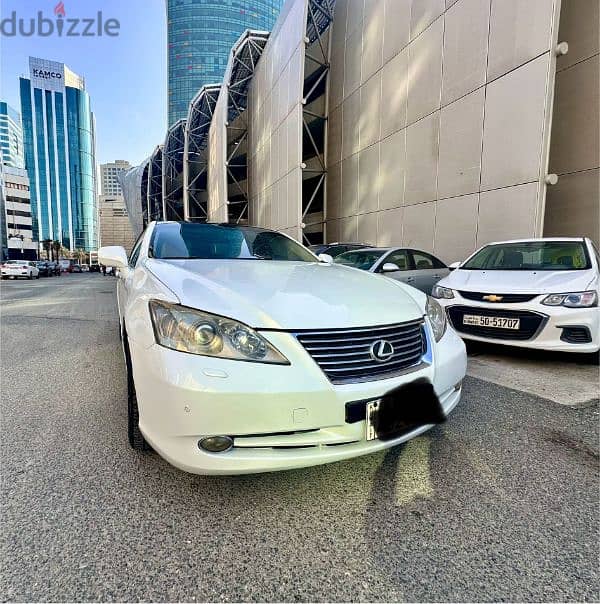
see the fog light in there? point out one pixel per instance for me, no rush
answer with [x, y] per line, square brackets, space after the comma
[216, 444]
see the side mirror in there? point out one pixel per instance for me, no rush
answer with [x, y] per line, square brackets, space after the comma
[326, 258]
[389, 267]
[454, 266]
[113, 255]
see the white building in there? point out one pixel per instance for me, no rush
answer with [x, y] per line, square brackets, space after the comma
[17, 235]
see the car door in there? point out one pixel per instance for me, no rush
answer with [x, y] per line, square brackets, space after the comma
[428, 270]
[124, 285]
[402, 259]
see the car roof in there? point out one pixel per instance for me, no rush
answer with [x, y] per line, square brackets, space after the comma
[534, 239]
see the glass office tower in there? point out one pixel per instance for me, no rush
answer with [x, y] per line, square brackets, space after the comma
[11, 137]
[200, 36]
[59, 140]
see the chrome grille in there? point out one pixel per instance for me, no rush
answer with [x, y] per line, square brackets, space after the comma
[344, 355]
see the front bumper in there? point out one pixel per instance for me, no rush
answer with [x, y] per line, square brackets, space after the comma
[280, 417]
[553, 332]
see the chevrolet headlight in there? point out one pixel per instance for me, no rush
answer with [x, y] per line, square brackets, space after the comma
[437, 318]
[196, 332]
[442, 292]
[575, 300]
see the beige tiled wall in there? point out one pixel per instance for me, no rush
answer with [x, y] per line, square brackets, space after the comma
[115, 227]
[275, 106]
[217, 156]
[573, 205]
[439, 121]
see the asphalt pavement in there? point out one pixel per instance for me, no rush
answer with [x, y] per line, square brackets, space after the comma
[500, 503]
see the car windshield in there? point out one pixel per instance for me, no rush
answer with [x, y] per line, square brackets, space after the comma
[363, 259]
[189, 241]
[530, 256]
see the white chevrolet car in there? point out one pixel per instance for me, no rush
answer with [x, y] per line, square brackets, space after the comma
[245, 353]
[536, 293]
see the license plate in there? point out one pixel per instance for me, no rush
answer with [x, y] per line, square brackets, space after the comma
[497, 322]
[402, 410]
[371, 412]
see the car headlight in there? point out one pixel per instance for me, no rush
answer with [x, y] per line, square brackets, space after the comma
[442, 292]
[575, 300]
[196, 332]
[437, 318]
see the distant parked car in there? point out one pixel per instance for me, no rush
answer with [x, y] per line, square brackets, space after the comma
[19, 269]
[44, 268]
[85, 268]
[335, 249]
[534, 293]
[76, 268]
[54, 268]
[66, 266]
[414, 267]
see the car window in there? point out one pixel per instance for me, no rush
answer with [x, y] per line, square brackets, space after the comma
[194, 241]
[336, 250]
[425, 261]
[531, 256]
[400, 259]
[363, 259]
[135, 252]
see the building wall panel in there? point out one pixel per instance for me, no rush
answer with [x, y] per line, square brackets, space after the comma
[458, 114]
[573, 205]
[217, 170]
[275, 106]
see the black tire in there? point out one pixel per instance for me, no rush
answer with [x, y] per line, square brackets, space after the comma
[38, 276]
[134, 435]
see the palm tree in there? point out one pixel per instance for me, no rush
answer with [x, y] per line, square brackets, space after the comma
[56, 246]
[47, 243]
[80, 255]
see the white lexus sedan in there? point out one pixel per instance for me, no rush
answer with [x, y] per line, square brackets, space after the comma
[535, 293]
[245, 353]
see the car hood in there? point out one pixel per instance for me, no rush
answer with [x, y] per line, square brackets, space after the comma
[506, 282]
[289, 295]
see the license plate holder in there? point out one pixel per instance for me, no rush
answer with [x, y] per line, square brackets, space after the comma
[402, 410]
[494, 322]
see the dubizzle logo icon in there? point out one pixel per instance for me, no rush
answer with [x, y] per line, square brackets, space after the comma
[59, 10]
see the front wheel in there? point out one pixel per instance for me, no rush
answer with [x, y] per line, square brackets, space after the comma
[134, 434]
[30, 276]
[136, 438]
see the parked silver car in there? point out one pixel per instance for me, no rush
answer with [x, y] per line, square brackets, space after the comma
[415, 267]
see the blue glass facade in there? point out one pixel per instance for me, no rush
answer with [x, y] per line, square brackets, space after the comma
[58, 133]
[200, 36]
[11, 137]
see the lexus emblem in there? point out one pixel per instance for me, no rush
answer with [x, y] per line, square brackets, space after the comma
[382, 351]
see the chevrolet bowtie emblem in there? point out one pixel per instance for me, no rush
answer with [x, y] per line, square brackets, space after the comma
[493, 298]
